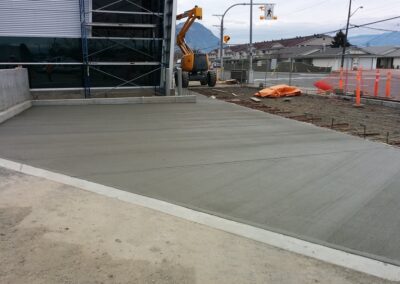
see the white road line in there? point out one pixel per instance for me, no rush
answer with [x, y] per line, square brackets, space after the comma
[333, 256]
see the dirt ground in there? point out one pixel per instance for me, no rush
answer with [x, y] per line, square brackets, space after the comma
[52, 233]
[378, 123]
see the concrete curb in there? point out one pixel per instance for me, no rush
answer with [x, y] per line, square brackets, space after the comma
[333, 256]
[15, 110]
[116, 101]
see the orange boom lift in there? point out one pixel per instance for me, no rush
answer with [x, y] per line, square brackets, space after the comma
[195, 65]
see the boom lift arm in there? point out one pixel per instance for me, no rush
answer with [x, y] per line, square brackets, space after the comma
[192, 15]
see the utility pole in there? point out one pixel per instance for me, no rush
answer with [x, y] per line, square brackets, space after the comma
[221, 32]
[221, 49]
[251, 75]
[347, 33]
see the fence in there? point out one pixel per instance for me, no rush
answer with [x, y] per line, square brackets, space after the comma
[380, 83]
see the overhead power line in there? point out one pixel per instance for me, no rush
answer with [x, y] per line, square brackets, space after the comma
[379, 29]
[365, 25]
[376, 22]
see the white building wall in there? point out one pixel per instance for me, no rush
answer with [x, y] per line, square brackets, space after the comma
[334, 63]
[350, 63]
[396, 62]
[367, 63]
[46, 18]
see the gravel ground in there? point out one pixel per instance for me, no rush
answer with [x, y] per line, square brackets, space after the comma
[381, 123]
[53, 233]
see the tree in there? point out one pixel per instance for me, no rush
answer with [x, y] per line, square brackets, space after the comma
[339, 40]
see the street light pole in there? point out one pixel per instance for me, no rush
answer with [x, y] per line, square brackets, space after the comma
[221, 38]
[251, 77]
[221, 47]
[347, 33]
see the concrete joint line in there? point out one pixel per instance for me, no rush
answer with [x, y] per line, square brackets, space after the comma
[333, 256]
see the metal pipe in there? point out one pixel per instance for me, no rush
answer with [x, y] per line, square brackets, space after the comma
[221, 47]
[179, 73]
[251, 77]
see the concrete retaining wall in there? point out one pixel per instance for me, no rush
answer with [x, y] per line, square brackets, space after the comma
[62, 94]
[14, 87]
[116, 101]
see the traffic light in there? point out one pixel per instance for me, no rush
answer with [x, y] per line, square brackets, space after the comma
[227, 38]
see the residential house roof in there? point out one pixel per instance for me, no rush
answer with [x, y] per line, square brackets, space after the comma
[264, 45]
[336, 51]
[381, 50]
[296, 51]
[395, 53]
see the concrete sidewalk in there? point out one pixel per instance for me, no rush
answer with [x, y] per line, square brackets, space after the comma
[52, 233]
[244, 165]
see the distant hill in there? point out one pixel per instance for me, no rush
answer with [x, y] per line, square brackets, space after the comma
[392, 38]
[200, 38]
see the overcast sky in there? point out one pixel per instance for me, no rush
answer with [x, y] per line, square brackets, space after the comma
[295, 17]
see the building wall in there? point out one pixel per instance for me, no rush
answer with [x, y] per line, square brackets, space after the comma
[367, 63]
[350, 63]
[45, 37]
[43, 18]
[396, 62]
[334, 63]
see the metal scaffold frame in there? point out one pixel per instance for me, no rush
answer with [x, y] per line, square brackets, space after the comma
[85, 49]
[87, 33]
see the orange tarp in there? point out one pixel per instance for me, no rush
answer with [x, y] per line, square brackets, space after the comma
[323, 86]
[279, 91]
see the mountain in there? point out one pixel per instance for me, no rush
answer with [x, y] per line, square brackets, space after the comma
[391, 38]
[199, 37]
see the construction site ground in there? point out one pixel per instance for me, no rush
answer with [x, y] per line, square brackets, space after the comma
[53, 233]
[376, 122]
[252, 167]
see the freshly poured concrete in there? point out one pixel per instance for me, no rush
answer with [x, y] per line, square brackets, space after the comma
[241, 164]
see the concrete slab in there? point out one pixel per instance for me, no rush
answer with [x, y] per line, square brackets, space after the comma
[227, 160]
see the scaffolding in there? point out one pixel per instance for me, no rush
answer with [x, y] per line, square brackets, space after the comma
[123, 34]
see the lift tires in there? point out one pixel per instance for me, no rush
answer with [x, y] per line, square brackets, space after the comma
[211, 78]
[185, 79]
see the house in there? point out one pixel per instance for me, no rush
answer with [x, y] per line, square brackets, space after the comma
[396, 58]
[368, 58]
[265, 47]
[387, 56]
[331, 57]
[312, 50]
